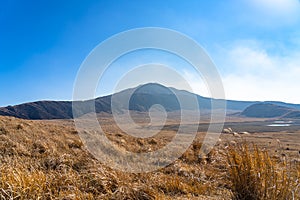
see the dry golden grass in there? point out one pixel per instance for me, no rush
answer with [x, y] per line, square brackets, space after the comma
[47, 160]
[254, 175]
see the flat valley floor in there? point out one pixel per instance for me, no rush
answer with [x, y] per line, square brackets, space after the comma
[46, 159]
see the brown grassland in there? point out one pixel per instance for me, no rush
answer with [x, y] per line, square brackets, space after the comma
[47, 160]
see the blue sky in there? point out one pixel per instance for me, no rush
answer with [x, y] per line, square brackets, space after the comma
[255, 44]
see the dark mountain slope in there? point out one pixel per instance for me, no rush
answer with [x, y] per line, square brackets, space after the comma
[140, 99]
[40, 110]
[267, 110]
[292, 115]
[288, 105]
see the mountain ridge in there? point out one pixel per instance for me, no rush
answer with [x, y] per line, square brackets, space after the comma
[141, 99]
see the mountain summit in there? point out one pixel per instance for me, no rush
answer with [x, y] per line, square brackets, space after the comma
[153, 89]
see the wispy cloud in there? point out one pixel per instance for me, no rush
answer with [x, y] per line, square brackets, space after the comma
[196, 83]
[255, 74]
[274, 12]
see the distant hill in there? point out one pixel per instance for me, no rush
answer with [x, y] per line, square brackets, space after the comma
[39, 110]
[141, 99]
[269, 110]
[288, 105]
[292, 115]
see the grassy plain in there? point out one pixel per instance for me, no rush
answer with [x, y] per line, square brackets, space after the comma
[47, 160]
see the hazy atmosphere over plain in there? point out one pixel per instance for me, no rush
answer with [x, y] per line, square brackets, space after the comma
[255, 44]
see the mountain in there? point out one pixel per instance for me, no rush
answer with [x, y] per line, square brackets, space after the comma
[39, 110]
[270, 110]
[292, 115]
[140, 99]
[288, 105]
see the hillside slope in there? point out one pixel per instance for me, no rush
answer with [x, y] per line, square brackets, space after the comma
[141, 99]
[268, 110]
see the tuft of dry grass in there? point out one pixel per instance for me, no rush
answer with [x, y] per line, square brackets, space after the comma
[254, 175]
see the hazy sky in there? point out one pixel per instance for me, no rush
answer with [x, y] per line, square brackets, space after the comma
[255, 44]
